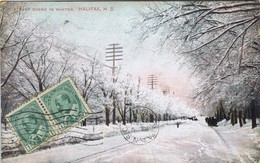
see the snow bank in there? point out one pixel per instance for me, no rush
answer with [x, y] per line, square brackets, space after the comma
[11, 146]
[193, 141]
[245, 130]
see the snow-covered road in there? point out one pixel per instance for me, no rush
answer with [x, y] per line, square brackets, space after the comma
[191, 142]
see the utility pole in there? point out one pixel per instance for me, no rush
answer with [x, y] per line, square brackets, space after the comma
[152, 80]
[114, 53]
[166, 90]
[138, 89]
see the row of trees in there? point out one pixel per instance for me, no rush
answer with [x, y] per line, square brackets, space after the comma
[219, 41]
[235, 116]
[33, 59]
[26, 64]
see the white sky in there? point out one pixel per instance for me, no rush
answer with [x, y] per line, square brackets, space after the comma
[97, 29]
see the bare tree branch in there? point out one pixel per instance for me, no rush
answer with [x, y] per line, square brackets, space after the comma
[13, 30]
[227, 51]
[241, 54]
[17, 61]
[221, 34]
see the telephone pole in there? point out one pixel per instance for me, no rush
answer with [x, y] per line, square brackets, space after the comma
[166, 90]
[152, 80]
[114, 53]
[138, 89]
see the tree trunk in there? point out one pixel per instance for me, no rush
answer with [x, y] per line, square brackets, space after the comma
[114, 111]
[240, 118]
[235, 116]
[249, 113]
[84, 122]
[244, 117]
[107, 115]
[40, 87]
[159, 117]
[232, 118]
[217, 115]
[130, 116]
[135, 116]
[253, 114]
[96, 121]
[142, 118]
[124, 116]
[151, 118]
[223, 114]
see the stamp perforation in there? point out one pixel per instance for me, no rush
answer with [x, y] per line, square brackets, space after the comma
[47, 114]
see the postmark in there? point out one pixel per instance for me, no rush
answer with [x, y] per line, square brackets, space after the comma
[50, 113]
[144, 127]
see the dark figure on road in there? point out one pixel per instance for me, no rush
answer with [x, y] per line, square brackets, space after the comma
[211, 121]
[178, 124]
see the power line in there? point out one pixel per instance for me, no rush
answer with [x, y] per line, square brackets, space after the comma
[114, 53]
[166, 90]
[152, 80]
[86, 56]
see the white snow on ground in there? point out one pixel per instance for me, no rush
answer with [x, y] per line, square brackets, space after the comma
[192, 142]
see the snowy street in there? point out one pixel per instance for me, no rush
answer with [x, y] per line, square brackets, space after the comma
[193, 141]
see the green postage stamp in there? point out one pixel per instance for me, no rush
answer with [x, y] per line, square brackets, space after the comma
[50, 113]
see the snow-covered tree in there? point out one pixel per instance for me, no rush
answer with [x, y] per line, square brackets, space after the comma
[218, 40]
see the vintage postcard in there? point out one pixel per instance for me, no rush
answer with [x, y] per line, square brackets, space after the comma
[128, 82]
